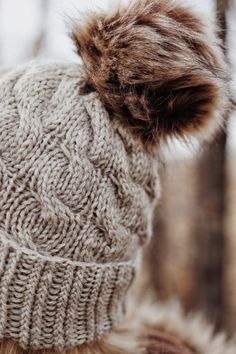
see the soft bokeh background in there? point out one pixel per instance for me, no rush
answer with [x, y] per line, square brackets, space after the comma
[193, 253]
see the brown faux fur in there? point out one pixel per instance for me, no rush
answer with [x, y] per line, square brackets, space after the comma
[160, 342]
[157, 67]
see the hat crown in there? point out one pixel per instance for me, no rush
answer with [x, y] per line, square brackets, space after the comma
[74, 183]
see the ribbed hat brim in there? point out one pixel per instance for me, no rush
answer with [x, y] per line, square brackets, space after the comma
[55, 303]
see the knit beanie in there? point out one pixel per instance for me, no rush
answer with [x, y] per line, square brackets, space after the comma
[78, 165]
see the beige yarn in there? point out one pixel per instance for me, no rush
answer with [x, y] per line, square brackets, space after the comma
[76, 200]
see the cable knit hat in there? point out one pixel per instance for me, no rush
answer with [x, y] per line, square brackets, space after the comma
[78, 170]
[76, 195]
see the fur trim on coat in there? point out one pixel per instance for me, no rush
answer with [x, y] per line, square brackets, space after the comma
[192, 329]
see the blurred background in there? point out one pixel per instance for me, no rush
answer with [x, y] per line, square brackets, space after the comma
[193, 253]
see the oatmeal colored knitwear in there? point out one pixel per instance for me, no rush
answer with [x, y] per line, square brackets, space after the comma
[76, 200]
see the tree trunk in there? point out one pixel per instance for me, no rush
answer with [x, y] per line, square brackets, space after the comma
[1, 32]
[38, 45]
[209, 229]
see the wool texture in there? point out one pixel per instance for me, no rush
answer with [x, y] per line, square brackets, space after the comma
[76, 200]
[158, 67]
[121, 341]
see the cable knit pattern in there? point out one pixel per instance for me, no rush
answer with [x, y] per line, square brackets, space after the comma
[76, 200]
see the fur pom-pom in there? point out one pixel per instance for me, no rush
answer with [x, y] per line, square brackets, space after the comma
[157, 67]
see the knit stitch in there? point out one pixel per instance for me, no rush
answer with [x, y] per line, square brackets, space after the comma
[76, 200]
